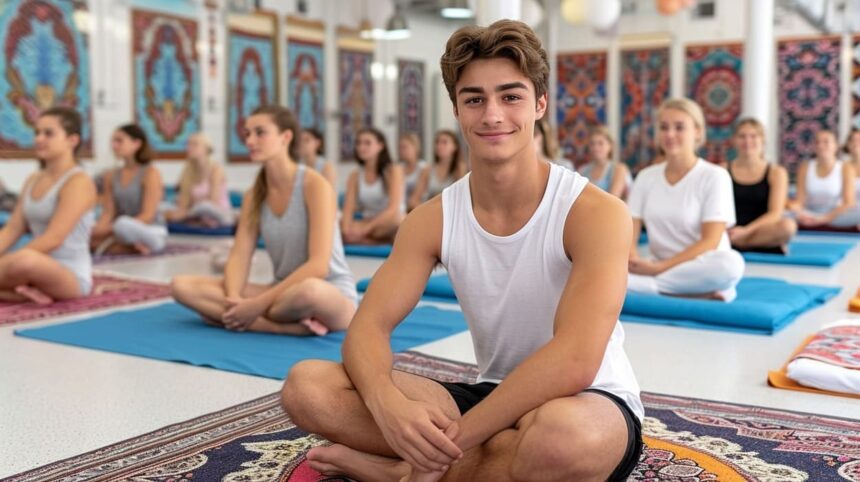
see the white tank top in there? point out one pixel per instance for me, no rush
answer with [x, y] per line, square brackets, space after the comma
[509, 286]
[823, 194]
[411, 180]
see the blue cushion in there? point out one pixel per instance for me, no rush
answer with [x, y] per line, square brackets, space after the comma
[4, 217]
[374, 251]
[763, 305]
[235, 198]
[179, 228]
[804, 253]
[174, 333]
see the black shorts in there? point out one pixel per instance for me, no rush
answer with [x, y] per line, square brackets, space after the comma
[467, 395]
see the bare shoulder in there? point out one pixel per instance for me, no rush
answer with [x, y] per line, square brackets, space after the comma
[597, 217]
[315, 184]
[777, 173]
[421, 231]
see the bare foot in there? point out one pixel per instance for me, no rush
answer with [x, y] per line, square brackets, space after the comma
[339, 459]
[142, 248]
[315, 326]
[34, 295]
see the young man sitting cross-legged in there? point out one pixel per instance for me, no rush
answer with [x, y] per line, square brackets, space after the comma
[538, 260]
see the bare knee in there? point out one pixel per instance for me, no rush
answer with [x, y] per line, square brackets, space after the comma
[307, 295]
[20, 263]
[553, 446]
[310, 394]
[788, 228]
[182, 286]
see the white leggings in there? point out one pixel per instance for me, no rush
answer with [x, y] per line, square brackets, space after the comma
[129, 230]
[208, 209]
[714, 271]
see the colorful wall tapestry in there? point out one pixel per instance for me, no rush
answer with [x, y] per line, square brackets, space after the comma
[44, 63]
[855, 82]
[410, 95]
[808, 83]
[252, 78]
[714, 81]
[166, 80]
[580, 102]
[306, 72]
[355, 90]
[644, 85]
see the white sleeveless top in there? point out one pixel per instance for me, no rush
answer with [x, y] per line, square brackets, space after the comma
[823, 194]
[411, 180]
[509, 286]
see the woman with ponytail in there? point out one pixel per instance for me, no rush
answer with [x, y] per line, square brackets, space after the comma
[203, 198]
[293, 208]
[130, 222]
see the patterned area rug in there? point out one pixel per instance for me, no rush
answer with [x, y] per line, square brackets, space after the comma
[172, 249]
[108, 292]
[687, 440]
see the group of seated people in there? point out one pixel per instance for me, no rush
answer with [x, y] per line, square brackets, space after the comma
[694, 249]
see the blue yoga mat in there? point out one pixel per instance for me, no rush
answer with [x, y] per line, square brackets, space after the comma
[376, 251]
[804, 253]
[235, 198]
[830, 234]
[179, 228]
[174, 333]
[763, 305]
[4, 217]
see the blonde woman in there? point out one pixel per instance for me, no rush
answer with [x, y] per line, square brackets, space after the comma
[760, 192]
[687, 205]
[293, 208]
[825, 188]
[612, 177]
[546, 145]
[203, 198]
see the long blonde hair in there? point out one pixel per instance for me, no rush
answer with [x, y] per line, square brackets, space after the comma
[191, 173]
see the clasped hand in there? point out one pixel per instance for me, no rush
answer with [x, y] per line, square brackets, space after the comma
[241, 312]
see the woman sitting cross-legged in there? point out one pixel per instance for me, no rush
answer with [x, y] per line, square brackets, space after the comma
[203, 198]
[687, 204]
[760, 193]
[56, 207]
[293, 208]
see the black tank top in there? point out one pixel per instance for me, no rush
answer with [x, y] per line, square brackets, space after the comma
[751, 200]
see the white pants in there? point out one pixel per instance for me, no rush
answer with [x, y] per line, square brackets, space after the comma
[129, 230]
[208, 209]
[714, 271]
[847, 219]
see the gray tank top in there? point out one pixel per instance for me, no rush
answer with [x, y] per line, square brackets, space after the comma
[286, 238]
[411, 180]
[74, 253]
[128, 200]
[434, 185]
[372, 198]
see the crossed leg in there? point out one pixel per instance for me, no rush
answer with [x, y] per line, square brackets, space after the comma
[582, 438]
[312, 299]
[29, 275]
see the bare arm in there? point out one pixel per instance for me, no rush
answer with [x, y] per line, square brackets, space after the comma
[244, 244]
[595, 236]
[420, 188]
[351, 200]
[618, 185]
[108, 202]
[76, 197]
[637, 232]
[153, 193]
[799, 203]
[712, 233]
[216, 181]
[847, 201]
[322, 213]
[330, 174]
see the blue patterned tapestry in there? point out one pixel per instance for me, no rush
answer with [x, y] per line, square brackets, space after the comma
[166, 79]
[306, 73]
[714, 81]
[44, 63]
[644, 86]
[356, 97]
[410, 95]
[580, 102]
[252, 82]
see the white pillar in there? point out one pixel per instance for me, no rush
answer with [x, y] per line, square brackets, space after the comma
[758, 68]
[491, 10]
[552, 22]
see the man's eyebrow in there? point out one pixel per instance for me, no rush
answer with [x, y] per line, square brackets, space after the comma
[499, 88]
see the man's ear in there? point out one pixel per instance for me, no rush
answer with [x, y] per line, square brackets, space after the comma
[540, 107]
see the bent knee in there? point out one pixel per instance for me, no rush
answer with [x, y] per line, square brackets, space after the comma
[310, 392]
[22, 261]
[308, 293]
[788, 227]
[182, 286]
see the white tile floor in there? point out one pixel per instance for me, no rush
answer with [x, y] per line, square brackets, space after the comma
[58, 401]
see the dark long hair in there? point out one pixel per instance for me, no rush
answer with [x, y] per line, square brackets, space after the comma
[384, 159]
[71, 122]
[457, 156]
[285, 120]
[143, 155]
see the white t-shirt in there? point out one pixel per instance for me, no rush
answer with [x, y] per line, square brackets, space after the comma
[673, 214]
[509, 287]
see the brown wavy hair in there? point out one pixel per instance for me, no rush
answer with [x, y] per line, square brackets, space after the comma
[71, 122]
[143, 155]
[285, 120]
[508, 39]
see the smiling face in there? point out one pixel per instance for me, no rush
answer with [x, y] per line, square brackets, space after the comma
[677, 133]
[51, 141]
[825, 146]
[749, 142]
[497, 109]
[853, 144]
[264, 140]
[599, 148]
